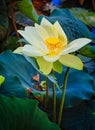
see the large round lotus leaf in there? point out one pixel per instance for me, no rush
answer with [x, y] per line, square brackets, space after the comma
[79, 87]
[14, 66]
[72, 26]
[23, 114]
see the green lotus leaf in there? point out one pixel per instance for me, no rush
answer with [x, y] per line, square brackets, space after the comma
[18, 72]
[26, 7]
[23, 114]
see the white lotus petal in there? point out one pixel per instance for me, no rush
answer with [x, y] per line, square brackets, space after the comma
[30, 50]
[54, 31]
[37, 40]
[18, 50]
[31, 31]
[51, 59]
[76, 45]
[51, 31]
[25, 35]
[42, 32]
[61, 33]
[29, 34]
[49, 28]
[45, 22]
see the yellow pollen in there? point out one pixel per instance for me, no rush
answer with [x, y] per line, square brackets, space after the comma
[54, 45]
[52, 40]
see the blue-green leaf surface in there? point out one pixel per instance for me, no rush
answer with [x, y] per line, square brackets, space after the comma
[18, 73]
[79, 87]
[81, 117]
[73, 27]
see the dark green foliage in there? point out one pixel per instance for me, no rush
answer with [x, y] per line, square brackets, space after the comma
[26, 7]
[11, 43]
[81, 117]
[23, 114]
[84, 15]
[3, 32]
[88, 51]
[3, 20]
[3, 14]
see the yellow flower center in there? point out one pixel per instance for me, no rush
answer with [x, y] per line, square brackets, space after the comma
[52, 40]
[54, 45]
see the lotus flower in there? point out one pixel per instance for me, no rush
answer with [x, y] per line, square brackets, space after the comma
[48, 44]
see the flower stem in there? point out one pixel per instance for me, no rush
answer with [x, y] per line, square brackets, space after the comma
[54, 102]
[46, 98]
[63, 96]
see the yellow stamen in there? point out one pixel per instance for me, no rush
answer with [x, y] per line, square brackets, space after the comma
[54, 45]
[52, 40]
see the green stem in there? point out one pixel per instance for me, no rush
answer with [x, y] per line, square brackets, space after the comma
[46, 98]
[54, 102]
[63, 96]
